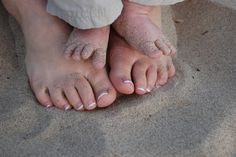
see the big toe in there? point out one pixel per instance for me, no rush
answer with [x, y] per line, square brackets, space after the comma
[99, 58]
[120, 76]
[163, 47]
[139, 76]
[103, 90]
[150, 49]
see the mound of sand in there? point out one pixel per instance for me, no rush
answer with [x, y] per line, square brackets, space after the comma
[227, 3]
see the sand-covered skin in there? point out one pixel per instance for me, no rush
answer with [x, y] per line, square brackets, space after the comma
[192, 116]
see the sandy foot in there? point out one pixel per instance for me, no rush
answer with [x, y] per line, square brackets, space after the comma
[132, 71]
[140, 32]
[55, 80]
[88, 44]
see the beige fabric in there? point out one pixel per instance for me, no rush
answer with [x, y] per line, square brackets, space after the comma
[85, 14]
[156, 2]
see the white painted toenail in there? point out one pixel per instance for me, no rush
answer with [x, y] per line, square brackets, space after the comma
[128, 82]
[67, 107]
[102, 94]
[148, 90]
[141, 89]
[81, 107]
[158, 86]
[92, 105]
[49, 106]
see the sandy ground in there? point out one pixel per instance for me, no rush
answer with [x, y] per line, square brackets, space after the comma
[194, 115]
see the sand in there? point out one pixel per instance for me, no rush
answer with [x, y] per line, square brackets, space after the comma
[194, 115]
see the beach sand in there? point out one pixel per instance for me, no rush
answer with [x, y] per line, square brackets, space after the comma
[194, 115]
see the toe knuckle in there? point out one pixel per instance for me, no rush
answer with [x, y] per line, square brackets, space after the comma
[139, 64]
[88, 47]
[78, 79]
[42, 101]
[152, 67]
[58, 102]
[162, 81]
[37, 86]
[56, 86]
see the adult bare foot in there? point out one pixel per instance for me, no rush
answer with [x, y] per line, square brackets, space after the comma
[54, 79]
[140, 32]
[88, 44]
[132, 71]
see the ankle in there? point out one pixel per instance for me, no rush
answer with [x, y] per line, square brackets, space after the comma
[11, 7]
[156, 16]
[136, 8]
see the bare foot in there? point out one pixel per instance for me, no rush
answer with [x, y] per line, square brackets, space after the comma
[55, 80]
[132, 71]
[140, 32]
[88, 44]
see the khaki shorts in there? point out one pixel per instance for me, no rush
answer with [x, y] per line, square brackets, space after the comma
[86, 14]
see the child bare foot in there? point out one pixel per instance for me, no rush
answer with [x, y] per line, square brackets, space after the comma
[135, 26]
[132, 71]
[55, 80]
[88, 44]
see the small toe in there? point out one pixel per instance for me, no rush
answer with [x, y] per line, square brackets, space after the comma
[42, 95]
[163, 47]
[69, 50]
[162, 76]
[104, 91]
[99, 58]
[139, 77]
[85, 92]
[77, 52]
[73, 97]
[171, 47]
[150, 49]
[151, 78]
[87, 51]
[171, 69]
[58, 98]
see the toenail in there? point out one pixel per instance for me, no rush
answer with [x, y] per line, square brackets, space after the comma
[68, 107]
[92, 105]
[80, 107]
[148, 90]
[158, 86]
[128, 82]
[102, 94]
[49, 105]
[141, 89]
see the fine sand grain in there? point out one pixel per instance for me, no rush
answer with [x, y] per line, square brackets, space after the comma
[194, 115]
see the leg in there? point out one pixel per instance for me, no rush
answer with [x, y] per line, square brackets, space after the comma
[55, 80]
[139, 31]
[91, 20]
[156, 2]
